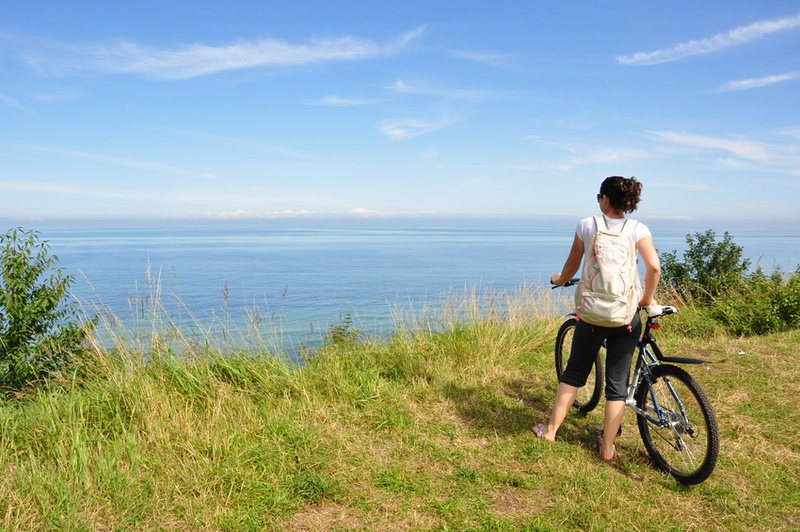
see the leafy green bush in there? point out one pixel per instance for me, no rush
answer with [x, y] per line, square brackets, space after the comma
[760, 304]
[39, 330]
[709, 268]
[787, 301]
[714, 277]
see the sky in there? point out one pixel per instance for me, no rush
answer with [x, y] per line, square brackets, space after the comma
[268, 109]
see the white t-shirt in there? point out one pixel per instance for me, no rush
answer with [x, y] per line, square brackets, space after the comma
[587, 228]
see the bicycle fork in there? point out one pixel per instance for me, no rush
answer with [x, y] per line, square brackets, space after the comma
[677, 421]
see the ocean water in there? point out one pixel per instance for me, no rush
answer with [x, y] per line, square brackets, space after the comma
[296, 278]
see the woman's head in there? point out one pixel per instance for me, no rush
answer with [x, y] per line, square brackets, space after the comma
[623, 193]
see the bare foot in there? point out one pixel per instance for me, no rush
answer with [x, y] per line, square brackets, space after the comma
[541, 432]
[606, 453]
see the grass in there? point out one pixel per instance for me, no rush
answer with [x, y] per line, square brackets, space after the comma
[429, 429]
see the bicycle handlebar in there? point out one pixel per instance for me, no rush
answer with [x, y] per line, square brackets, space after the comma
[571, 282]
[655, 311]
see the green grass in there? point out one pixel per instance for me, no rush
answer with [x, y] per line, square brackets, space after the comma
[426, 430]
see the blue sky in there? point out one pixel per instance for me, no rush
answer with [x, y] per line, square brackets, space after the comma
[301, 109]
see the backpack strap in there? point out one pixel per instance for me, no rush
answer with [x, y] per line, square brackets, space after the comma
[597, 222]
[629, 227]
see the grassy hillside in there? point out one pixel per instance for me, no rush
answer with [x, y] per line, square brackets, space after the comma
[430, 429]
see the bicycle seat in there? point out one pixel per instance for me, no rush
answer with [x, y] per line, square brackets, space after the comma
[655, 311]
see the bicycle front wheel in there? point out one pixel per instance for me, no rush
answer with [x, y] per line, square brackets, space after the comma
[589, 395]
[685, 441]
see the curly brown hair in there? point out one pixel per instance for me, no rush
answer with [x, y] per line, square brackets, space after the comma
[623, 193]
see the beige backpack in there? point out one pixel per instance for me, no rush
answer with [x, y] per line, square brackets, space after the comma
[609, 291]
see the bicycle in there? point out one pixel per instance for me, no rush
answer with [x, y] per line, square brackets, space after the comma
[676, 421]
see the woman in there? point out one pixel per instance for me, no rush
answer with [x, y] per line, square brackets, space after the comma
[618, 196]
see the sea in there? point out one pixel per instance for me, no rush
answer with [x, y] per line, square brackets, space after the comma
[289, 281]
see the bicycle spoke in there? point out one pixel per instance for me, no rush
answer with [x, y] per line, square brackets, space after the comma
[683, 441]
[682, 451]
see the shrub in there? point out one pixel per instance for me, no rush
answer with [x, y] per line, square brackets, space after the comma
[709, 268]
[39, 330]
[760, 304]
[787, 301]
[343, 333]
[713, 275]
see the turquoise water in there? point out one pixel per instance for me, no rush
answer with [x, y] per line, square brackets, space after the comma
[298, 277]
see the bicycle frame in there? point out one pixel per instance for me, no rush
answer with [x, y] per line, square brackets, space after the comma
[650, 355]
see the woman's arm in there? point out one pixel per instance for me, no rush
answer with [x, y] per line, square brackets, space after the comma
[652, 272]
[571, 266]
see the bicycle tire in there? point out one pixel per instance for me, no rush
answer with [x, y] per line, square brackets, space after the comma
[689, 447]
[589, 395]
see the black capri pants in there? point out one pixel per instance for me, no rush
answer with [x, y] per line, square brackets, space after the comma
[620, 345]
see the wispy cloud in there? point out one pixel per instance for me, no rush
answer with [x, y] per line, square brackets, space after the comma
[119, 161]
[192, 197]
[792, 132]
[421, 89]
[753, 83]
[430, 154]
[485, 58]
[244, 213]
[366, 213]
[337, 101]
[744, 148]
[452, 102]
[735, 37]
[53, 98]
[405, 128]
[61, 189]
[8, 101]
[272, 149]
[740, 153]
[684, 186]
[193, 60]
[577, 155]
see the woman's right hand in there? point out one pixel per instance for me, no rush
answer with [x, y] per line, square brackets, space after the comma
[555, 278]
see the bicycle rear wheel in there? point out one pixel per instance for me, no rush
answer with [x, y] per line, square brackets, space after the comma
[688, 444]
[589, 395]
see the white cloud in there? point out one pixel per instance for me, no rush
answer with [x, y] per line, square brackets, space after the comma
[429, 154]
[421, 89]
[60, 189]
[735, 37]
[735, 164]
[686, 186]
[274, 150]
[193, 60]
[53, 98]
[791, 132]
[8, 101]
[237, 213]
[412, 127]
[608, 156]
[752, 83]
[337, 101]
[366, 213]
[121, 161]
[579, 155]
[485, 58]
[747, 153]
[744, 148]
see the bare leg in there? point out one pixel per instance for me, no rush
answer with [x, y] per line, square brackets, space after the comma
[615, 411]
[565, 396]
